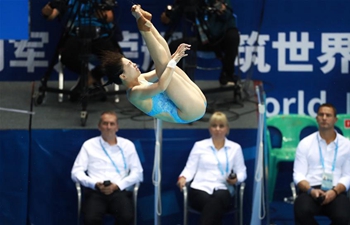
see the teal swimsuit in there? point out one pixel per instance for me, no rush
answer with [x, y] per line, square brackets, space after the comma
[162, 103]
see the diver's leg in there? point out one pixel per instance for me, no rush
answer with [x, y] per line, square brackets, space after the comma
[185, 79]
[181, 50]
[189, 100]
[155, 32]
[160, 55]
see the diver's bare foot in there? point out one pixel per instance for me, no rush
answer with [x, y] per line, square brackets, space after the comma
[141, 11]
[146, 14]
[142, 23]
[136, 11]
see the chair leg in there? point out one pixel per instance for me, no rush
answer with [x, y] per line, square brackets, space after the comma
[135, 192]
[78, 188]
[272, 177]
[241, 197]
[116, 88]
[60, 79]
[185, 194]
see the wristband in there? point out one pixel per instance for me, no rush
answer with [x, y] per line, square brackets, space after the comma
[171, 64]
[336, 192]
[309, 191]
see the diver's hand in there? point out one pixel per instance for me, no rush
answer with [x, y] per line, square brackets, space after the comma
[181, 52]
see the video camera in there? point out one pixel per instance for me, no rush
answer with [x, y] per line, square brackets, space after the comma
[191, 8]
[107, 4]
[188, 8]
[103, 4]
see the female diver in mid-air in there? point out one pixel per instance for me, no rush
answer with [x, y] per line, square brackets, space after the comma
[165, 93]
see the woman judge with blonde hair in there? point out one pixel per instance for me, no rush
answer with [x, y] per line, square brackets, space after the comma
[213, 167]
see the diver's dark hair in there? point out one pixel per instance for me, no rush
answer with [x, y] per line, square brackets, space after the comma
[112, 66]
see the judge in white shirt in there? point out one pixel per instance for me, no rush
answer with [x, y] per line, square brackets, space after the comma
[322, 172]
[108, 166]
[209, 166]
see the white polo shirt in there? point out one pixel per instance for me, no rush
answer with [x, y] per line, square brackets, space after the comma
[308, 166]
[209, 168]
[121, 165]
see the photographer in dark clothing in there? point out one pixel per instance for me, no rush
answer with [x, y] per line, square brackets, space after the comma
[216, 30]
[90, 31]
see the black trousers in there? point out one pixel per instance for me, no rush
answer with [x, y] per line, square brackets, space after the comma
[212, 207]
[119, 204]
[227, 51]
[306, 208]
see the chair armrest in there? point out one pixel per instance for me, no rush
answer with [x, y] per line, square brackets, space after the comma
[185, 196]
[135, 192]
[294, 190]
[241, 197]
[294, 196]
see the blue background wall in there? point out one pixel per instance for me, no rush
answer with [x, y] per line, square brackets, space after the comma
[47, 157]
[14, 17]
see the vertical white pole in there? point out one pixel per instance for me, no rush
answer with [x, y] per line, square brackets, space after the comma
[157, 174]
[60, 79]
[259, 209]
[2, 53]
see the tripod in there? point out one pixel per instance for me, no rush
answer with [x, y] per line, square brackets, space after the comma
[86, 29]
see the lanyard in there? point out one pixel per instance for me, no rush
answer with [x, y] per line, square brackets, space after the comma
[219, 164]
[321, 156]
[115, 165]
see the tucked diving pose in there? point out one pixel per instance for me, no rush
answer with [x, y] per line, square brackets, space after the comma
[166, 92]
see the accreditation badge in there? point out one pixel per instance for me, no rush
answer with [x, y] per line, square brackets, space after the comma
[327, 181]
